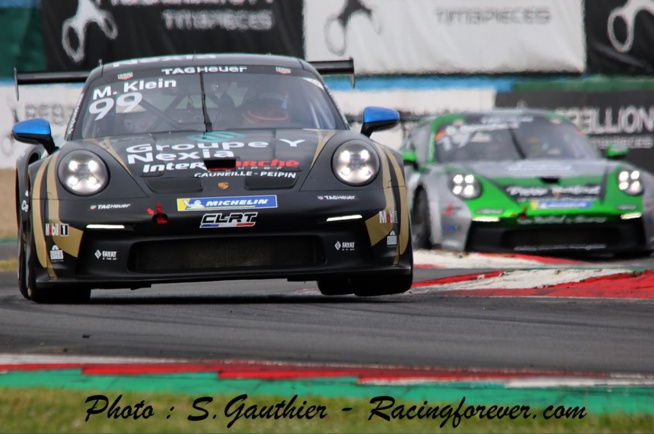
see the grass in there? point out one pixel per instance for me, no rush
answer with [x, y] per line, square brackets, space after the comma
[53, 410]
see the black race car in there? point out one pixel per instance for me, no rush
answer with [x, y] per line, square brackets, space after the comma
[209, 167]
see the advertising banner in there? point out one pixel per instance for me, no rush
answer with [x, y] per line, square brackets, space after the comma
[624, 118]
[620, 36]
[448, 36]
[77, 34]
[21, 37]
[53, 103]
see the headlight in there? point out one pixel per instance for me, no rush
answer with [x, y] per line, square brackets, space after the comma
[629, 182]
[355, 163]
[83, 173]
[465, 185]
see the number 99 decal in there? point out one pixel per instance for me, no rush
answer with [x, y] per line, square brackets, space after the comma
[127, 102]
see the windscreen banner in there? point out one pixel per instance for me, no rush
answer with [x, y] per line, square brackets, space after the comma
[448, 36]
[78, 34]
[620, 36]
[621, 118]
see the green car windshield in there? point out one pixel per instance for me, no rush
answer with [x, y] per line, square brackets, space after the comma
[511, 139]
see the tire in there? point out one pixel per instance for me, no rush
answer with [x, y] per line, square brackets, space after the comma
[335, 286]
[27, 278]
[25, 263]
[421, 222]
[382, 286]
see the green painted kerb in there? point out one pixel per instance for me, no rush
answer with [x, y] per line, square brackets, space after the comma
[599, 400]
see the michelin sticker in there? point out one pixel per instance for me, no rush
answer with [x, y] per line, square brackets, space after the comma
[220, 203]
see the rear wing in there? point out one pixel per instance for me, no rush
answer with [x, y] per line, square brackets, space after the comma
[48, 78]
[335, 67]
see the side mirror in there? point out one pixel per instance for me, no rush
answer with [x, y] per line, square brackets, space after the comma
[35, 132]
[616, 152]
[410, 159]
[377, 119]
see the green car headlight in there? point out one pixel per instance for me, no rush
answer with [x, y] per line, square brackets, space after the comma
[629, 182]
[355, 163]
[83, 173]
[465, 186]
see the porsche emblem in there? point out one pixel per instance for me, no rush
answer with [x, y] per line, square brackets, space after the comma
[223, 185]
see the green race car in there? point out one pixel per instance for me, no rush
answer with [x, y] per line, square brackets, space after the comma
[523, 181]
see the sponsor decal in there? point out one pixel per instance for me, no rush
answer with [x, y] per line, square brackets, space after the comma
[553, 220]
[24, 206]
[388, 216]
[125, 76]
[223, 203]
[450, 227]
[532, 167]
[231, 220]
[203, 69]
[56, 229]
[337, 197]
[520, 192]
[191, 152]
[215, 136]
[283, 70]
[56, 254]
[106, 255]
[489, 211]
[189, 156]
[560, 247]
[625, 207]
[391, 239]
[277, 173]
[345, 246]
[109, 206]
[223, 185]
[561, 204]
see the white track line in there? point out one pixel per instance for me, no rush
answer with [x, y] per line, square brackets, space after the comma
[523, 279]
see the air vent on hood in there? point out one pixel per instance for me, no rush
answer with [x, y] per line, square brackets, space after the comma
[174, 185]
[220, 163]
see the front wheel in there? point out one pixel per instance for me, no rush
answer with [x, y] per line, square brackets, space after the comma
[27, 277]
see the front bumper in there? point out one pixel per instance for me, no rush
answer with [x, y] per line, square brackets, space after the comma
[611, 237]
[290, 242]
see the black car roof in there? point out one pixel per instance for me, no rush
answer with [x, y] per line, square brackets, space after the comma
[182, 60]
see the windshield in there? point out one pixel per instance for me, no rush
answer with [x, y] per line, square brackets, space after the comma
[151, 101]
[526, 137]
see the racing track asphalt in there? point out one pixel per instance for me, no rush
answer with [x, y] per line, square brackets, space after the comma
[278, 320]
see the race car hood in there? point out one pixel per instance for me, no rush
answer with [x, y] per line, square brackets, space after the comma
[256, 159]
[524, 169]
[546, 179]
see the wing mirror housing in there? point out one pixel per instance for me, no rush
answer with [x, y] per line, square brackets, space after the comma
[616, 152]
[35, 132]
[378, 119]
